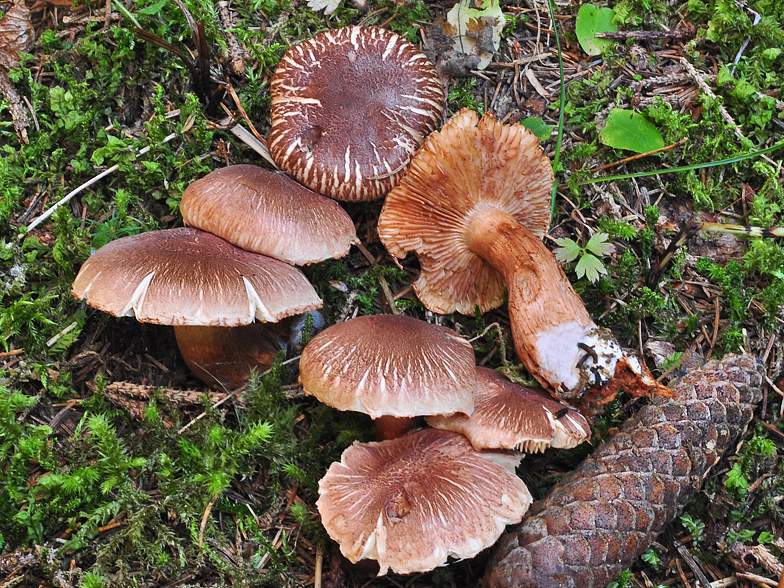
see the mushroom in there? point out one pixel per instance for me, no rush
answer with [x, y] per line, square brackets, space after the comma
[393, 368]
[269, 213]
[202, 285]
[349, 109]
[413, 502]
[474, 206]
[509, 416]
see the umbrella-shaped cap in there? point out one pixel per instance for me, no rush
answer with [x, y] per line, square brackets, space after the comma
[191, 277]
[390, 365]
[268, 213]
[471, 165]
[412, 502]
[509, 416]
[349, 109]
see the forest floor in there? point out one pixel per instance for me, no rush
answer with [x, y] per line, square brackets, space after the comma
[119, 469]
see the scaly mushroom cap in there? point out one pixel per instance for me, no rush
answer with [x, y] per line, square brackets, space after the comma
[191, 277]
[390, 365]
[410, 503]
[268, 213]
[469, 166]
[350, 107]
[509, 416]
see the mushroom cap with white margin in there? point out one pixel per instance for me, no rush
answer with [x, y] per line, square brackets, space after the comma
[390, 365]
[190, 277]
[349, 109]
[269, 213]
[509, 416]
[469, 166]
[413, 502]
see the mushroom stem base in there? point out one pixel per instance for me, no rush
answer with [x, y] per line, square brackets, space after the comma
[554, 335]
[223, 357]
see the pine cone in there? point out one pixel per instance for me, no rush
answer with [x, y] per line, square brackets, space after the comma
[600, 518]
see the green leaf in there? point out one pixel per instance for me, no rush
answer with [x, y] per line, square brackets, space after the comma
[567, 251]
[591, 267]
[626, 129]
[592, 20]
[538, 127]
[598, 244]
[765, 537]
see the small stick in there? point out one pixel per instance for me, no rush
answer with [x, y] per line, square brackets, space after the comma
[319, 564]
[205, 517]
[638, 156]
[87, 184]
[11, 353]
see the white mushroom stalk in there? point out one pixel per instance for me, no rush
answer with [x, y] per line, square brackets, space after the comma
[474, 207]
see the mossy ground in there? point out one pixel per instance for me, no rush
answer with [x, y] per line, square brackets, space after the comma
[100, 491]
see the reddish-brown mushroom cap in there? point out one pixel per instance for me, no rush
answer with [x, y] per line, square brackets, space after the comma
[191, 277]
[349, 109]
[269, 213]
[474, 206]
[413, 502]
[208, 289]
[509, 416]
[469, 166]
[390, 365]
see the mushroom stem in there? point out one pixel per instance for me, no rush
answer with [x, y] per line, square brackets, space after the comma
[390, 427]
[224, 356]
[554, 335]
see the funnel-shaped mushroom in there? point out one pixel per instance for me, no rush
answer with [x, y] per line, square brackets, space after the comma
[474, 206]
[269, 213]
[349, 109]
[198, 282]
[413, 502]
[509, 416]
[390, 367]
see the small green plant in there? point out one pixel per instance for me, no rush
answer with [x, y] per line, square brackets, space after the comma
[695, 527]
[589, 263]
[626, 129]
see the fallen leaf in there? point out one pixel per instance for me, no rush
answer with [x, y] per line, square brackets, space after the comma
[592, 20]
[476, 31]
[329, 6]
[16, 34]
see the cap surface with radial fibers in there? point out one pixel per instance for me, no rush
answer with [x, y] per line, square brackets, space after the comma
[190, 277]
[269, 213]
[413, 502]
[509, 416]
[390, 365]
[350, 107]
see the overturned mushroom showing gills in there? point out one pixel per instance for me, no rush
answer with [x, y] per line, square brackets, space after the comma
[269, 213]
[201, 285]
[390, 367]
[600, 518]
[474, 207]
[509, 416]
[413, 502]
[349, 109]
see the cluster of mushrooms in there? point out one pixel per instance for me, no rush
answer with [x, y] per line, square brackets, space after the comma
[472, 200]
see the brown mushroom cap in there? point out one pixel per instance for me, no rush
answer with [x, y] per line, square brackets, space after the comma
[390, 365]
[509, 416]
[410, 503]
[191, 277]
[350, 107]
[268, 213]
[471, 165]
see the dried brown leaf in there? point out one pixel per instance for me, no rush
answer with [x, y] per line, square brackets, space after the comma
[16, 34]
